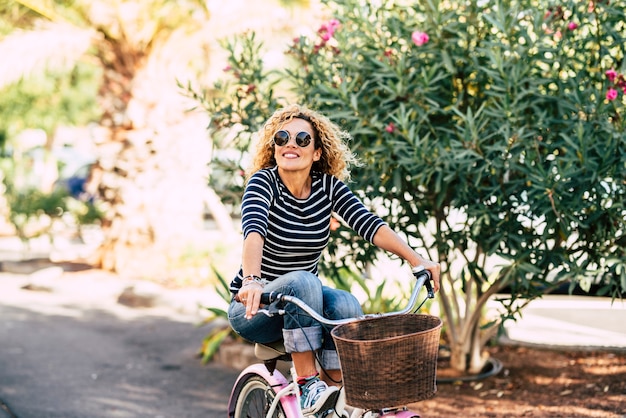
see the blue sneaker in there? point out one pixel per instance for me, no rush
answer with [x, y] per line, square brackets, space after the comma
[318, 397]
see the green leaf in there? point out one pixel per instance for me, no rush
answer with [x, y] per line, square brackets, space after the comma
[212, 343]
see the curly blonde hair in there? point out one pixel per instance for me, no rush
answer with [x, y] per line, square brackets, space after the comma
[336, 156]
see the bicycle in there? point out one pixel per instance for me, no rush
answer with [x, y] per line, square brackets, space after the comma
[263, 391]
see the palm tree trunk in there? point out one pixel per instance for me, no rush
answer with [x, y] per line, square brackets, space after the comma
[151, 174]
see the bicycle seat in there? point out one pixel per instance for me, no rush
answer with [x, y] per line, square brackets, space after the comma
[270, 351]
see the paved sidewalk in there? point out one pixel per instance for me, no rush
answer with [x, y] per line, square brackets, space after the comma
[573, 322]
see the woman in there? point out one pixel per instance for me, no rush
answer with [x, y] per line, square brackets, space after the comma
[294, 184]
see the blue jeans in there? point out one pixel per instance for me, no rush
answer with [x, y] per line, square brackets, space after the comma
[299, 332]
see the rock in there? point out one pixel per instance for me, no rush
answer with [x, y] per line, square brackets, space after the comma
[141, 295]
[239, 355]
[236, 355]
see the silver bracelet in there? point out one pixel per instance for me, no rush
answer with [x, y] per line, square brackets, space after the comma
[251, 278]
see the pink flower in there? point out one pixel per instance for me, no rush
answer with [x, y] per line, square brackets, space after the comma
[333, 24]
[326, 31]
[611, 94]
[611, 74]
[572, 25]
[227, 68]
[419, 38]
[390, 128]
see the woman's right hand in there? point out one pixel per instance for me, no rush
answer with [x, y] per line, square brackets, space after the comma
[250, 295]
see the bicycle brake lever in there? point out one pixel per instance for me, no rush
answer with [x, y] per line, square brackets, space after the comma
[271, 310]
[429, 289]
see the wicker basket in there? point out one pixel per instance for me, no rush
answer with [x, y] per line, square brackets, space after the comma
[388, 361]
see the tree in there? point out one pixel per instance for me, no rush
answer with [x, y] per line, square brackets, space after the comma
[149, 184]
[492, 135]
[152, 170]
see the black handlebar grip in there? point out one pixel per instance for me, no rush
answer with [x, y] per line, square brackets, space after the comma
[268, 298]
[421, 271]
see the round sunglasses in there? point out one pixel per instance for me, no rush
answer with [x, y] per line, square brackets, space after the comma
[303, 139]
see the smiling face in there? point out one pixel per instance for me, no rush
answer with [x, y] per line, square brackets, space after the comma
[291, 158]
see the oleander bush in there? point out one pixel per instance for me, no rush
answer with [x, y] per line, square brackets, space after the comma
[492, 134]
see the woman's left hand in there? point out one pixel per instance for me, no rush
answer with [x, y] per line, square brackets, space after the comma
[435, 271]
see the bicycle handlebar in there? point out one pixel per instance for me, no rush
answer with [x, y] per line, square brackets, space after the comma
[422, 279]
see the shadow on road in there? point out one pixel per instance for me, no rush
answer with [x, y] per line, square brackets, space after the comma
[74, 362]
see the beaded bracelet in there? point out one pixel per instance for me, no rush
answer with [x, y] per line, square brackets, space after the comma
[251, 278]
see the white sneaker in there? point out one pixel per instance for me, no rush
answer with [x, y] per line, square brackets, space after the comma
[318, 397]
[341, 409]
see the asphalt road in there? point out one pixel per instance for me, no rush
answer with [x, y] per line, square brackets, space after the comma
[69, 350]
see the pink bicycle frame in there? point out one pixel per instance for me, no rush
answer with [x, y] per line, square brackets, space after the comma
[276, 379]
[290, 403]
[400, 414]
[391, 414]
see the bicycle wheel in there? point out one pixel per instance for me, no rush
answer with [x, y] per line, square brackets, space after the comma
[254, 397]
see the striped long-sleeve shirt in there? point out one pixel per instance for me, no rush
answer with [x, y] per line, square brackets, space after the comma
[296, 231]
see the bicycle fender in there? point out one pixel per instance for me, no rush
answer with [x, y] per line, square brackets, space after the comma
[276, 380]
